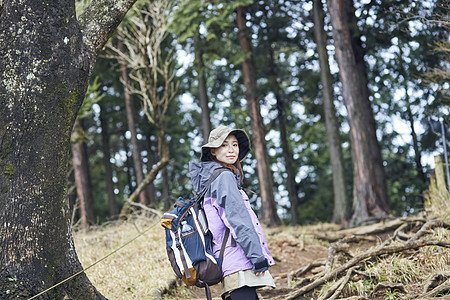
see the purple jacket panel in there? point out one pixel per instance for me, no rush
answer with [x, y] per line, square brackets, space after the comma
[234, 257]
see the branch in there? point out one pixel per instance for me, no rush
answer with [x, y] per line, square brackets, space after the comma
[100, 20]
[149, 209]
[150, 176]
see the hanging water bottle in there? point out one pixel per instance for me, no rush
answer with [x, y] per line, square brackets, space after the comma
[186, 228]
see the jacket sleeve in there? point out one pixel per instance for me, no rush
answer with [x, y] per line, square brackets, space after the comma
[225, 190]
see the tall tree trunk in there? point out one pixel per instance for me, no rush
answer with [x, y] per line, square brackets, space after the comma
[81, 174]
[369, 182]
[113, 208]
[415, 143]
[46, 61]
[341, 212]
[287, 154]
[137, 159]
[164, 154]
[150, 188]
[410, 118]
[288, 161]
[202, 87]
[268, 205]
[128, 163]
[166, 189]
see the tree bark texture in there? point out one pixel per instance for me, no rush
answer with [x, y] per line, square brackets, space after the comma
[166, 189]
[341, 212]
[369, 189]
[128, 165]
[112, 204]
[152, 149]
[202, 88]
[47, 58]
[136, 152]
[268, 205]
[415, 143]
[81, 175]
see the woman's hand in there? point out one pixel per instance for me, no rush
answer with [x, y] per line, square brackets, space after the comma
[261, 267]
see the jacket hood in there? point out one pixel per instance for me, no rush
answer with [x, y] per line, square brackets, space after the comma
[201, 172]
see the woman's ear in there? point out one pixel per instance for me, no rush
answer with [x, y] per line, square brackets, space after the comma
[212, 151]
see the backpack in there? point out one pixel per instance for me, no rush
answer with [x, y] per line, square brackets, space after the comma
[189, 242]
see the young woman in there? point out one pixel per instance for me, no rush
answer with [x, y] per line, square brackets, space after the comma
[246, 258]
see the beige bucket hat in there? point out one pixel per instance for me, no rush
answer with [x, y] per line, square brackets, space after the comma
[218, 135]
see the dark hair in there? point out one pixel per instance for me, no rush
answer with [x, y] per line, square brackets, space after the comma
[235, 168]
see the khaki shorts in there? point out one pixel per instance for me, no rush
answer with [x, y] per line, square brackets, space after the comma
[245, 278]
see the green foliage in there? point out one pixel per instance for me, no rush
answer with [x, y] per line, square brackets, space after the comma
[216, 17]
[93, 96]
[404, 186]
[399, 40]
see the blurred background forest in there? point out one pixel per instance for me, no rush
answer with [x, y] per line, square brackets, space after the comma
[176, 69]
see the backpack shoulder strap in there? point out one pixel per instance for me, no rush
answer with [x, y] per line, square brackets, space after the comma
[224, 242]
[213, 177]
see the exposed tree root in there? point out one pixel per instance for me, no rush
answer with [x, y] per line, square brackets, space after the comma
[170, 285]
[442, 288]
[317, 263]
[335, 290]
[400, 241]
[435, 280]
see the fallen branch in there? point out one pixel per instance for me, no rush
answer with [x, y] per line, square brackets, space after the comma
[146, 208]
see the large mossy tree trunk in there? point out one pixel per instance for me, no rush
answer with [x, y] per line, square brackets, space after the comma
[47, 58]
[268, 205]
[369, 185]
[341, 211]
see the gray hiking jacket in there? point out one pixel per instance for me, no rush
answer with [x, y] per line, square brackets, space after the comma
[226, 205]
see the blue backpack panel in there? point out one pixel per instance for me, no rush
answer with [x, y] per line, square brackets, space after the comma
[189, 241]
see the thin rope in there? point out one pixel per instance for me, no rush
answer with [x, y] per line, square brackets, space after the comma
[98, 261]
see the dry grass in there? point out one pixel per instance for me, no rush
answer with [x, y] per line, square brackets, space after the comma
[437, 198]
[134, 271]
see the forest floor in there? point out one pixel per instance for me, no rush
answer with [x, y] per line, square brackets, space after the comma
[383, 268]
[395, 259]
[292, 248]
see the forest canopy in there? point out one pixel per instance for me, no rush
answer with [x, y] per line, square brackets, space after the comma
[403, 47]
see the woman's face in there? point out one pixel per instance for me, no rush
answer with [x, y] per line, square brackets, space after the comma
[228, 152]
